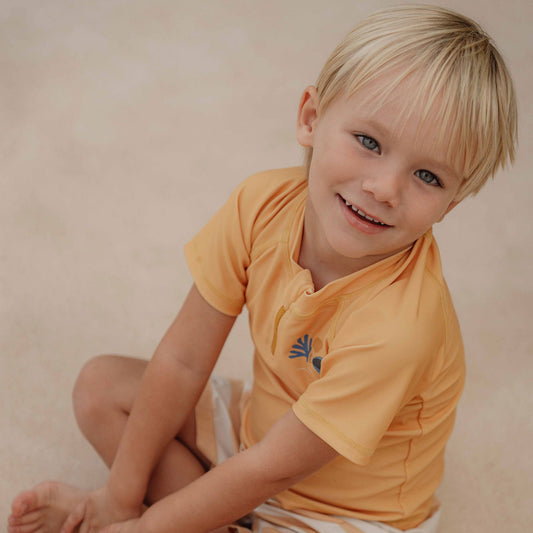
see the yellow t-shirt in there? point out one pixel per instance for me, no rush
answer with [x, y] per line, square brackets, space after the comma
[372, 363]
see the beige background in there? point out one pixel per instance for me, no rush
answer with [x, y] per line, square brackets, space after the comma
[125, 124]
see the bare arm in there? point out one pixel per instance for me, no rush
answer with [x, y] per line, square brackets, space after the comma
[287, 454]
[171, 387]
[172, 384]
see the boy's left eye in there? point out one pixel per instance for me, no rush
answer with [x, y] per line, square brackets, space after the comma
[369, 143]
[428, 177]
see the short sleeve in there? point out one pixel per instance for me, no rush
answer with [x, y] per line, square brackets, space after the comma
[363, 386]
[219, 255]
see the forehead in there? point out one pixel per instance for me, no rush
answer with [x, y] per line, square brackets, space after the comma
[403, 107]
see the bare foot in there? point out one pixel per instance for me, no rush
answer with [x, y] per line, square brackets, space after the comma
[44, 508]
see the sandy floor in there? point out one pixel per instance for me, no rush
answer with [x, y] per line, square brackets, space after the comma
[125, 125]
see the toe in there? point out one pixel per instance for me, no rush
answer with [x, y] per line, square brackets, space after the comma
[33, 527]
[33, 499]
[26, 518]
[22, 503]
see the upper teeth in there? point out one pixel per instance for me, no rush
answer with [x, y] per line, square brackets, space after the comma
[363, 214]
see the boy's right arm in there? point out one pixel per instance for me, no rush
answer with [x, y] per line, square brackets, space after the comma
[173, 382]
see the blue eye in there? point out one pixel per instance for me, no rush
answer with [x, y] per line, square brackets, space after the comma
[428, 177]
[369, 143]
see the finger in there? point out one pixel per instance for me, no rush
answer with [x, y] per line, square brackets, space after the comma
[113, 528]
[119, 527]
[74, 519]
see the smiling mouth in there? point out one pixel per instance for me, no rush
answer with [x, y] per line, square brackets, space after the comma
[363, 216]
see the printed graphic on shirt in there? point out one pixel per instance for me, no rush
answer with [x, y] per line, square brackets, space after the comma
[304, 347]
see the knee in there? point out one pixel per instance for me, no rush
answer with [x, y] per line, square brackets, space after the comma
[90, 396]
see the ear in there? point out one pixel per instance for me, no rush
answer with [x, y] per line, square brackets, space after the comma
[307, 115]
[449, 208]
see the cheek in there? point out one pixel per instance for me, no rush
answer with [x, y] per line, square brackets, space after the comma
[316, 183]
[430, 213]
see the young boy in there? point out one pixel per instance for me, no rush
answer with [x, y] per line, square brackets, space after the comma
[358, 363]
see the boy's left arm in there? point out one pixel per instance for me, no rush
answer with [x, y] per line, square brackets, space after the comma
[288, 453]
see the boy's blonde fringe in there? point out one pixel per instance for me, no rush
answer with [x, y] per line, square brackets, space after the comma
[455, 71]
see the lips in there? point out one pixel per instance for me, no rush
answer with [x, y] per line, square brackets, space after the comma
[364, 216]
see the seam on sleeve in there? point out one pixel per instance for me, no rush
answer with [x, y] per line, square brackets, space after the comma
[363, 453]
[232, 306]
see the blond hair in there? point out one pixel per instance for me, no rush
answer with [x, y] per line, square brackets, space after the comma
[458, 73]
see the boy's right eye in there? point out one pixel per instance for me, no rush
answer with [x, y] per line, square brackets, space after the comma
[368, 143]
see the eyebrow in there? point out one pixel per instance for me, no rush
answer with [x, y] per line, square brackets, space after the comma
[444, 167]
[382, 130]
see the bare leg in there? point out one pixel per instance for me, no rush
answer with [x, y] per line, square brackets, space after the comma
[103, 397]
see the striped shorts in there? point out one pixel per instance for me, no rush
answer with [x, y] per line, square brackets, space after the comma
[218, 415]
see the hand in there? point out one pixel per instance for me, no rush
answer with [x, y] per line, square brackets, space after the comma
[129, 526]
[97, 511]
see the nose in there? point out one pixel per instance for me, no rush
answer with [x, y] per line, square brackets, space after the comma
[385, 187]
